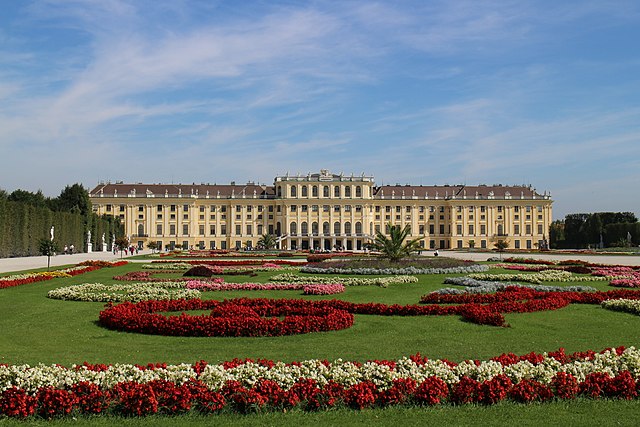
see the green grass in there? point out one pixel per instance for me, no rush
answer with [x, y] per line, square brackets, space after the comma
[37, 329]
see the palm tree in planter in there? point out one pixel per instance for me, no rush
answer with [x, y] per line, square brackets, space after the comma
[267, 241]
[396, 246]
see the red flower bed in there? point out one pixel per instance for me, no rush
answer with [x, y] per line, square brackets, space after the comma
[240, 317]
[229, 263]
[23, 279]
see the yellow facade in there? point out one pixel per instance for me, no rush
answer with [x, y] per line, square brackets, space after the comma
[325, 211]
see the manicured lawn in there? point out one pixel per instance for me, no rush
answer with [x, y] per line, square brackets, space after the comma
[36, 329]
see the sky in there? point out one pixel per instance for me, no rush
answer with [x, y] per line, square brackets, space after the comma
[541, 93]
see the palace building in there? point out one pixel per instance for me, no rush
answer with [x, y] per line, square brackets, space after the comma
[325, 211]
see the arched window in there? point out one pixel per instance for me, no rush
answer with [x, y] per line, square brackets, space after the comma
[304, 228]
[336, 191]
[358, 227]
[347, 191]
[325, 191]
[279, 191]
[140, 229]
[304, 191]
[325, 228]
[358, 191]
[294, 191]
[314, 191]
[347, 227]
[314, 228]
[336, 228]
[293, 228]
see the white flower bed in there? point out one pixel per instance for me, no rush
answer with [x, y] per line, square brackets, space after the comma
[473, 286]
[542, 276]
[476, 268]
[346, 281]
[168, 266]
[627, 305]
[135, 292]
[346, 373]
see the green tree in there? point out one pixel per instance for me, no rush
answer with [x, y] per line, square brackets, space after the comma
[74, 198]
[122, 243]
[267, 241]
[501, 245]
[472, 244]
[396, 246]
[48, 248]
[33, 199]
[153, 245]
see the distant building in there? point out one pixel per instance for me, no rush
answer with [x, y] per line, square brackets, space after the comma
[325, 211]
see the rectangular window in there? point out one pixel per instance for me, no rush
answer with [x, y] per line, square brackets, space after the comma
[172, 229]
[347, 208]
[238, 229]
[326, 208]
[173, 208]
[212, 208]
[238, 208]
[223, 229]
[159, 216]
[483, 244]
[421, 229]
[517, 244]
[121, 208]
[159, 229]
[528, 232]
[201, 230]
[223, 208]
[314, 208]
[293, 208]
[336, 208]
[108, 208]
[431, 228]
[185, 208]
[304, 208]
[483, 208]
[539, 228]
[441, 228]
[516, 229]
[212, 217]
[140, 208]
[459, 229]
[249, 208]
[212, 230]
[471, 229]
[249, 230]
[270, 208]
[201, 208]
[185, 229]
[185, 216]
[483, 229]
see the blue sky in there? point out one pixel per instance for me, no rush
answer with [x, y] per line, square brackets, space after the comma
[425, 92]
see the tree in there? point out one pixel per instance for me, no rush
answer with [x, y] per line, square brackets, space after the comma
[267, 241]
[501, 245]
[396, 246]
[48, 248]
[472, 244]
[74, 198]
[153, 245]
[122, 243]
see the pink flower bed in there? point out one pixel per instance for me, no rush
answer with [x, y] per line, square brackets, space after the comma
[221, 286]
[322, 289]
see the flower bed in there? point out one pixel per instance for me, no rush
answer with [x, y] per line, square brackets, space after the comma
[97, 292]
[328, 289]
[84, 267]
[395, 271]
[247, 385]
[239, 317]
[323, 289]
[483, 287]
[346, 281]
[625, 305]
[237, 263]
[518, 300]
[542, 276]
